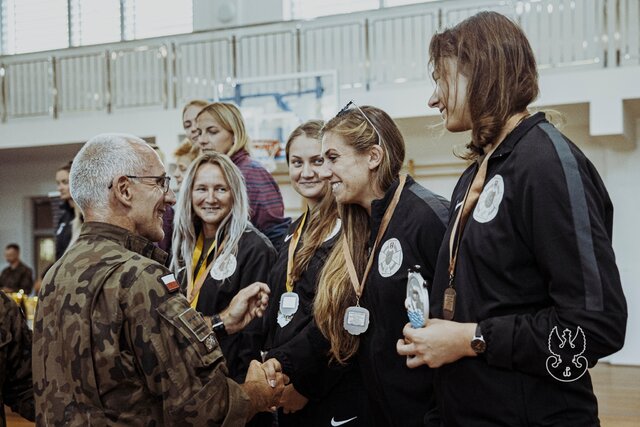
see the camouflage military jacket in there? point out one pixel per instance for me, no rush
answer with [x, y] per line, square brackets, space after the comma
[15, 361]
[116, 343]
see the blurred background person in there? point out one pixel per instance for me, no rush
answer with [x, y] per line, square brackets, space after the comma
[16, 389]
[183, 156]
[221, 128]
[189, 113]
[16, 276]
[70, 221]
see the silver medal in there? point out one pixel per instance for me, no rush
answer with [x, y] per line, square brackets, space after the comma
[289, 302]
[417, 301]
[356, 320]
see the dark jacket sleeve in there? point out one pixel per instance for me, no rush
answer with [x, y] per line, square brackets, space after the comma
[255, 268]
[17, 390]
[567, 218]
[26, 281]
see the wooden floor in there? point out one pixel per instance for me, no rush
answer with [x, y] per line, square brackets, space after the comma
[617, 388]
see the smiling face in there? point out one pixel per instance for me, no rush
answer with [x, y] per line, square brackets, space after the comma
[211, 197]
[348, 171]
[305, 163]
[62, 183]
[149, 200]
[211, 135]
[449, 97]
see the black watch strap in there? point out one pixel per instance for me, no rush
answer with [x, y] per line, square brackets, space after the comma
[218, 326]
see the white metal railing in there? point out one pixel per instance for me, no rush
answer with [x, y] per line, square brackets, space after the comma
[386, 46]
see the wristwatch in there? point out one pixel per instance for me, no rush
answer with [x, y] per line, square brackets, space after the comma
[478, 344]
[218, 326]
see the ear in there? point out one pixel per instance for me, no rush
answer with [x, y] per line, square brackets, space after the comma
[122, 191]
[376, 154]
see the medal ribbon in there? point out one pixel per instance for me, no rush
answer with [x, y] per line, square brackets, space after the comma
[193, 291]
[358, 286]
[469, 202]
[293, 243]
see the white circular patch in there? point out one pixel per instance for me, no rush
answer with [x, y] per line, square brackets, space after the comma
[390, 258]
[489, 201]
[335, 231]
[224, 267]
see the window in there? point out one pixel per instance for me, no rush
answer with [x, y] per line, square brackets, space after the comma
[308, 9]
[32, 25]
[36, 25]
[94, 21]
[151, 18]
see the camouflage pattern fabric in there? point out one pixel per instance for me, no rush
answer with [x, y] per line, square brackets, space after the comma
[114, 345]
[15, 361]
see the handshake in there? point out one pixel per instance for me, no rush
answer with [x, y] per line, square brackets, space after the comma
[264, 385]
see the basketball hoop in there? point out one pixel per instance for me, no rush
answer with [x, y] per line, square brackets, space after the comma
[265, 151]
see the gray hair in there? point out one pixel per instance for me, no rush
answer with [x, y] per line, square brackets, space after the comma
[187, 224]
[98, 162]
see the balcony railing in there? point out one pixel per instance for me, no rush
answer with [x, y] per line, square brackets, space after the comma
[387, 46]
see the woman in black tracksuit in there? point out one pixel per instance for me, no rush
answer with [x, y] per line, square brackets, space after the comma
[526, 280]
[364, 152]
[217, 251]
[319, 393]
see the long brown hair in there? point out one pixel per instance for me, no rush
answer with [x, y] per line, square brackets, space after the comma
[323, 218]
[335, 291]
[496, 57]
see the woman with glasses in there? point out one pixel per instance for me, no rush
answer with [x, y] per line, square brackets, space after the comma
[217, 252]
[390, 224]
[526, 294]
[220, 128]
[321, 394]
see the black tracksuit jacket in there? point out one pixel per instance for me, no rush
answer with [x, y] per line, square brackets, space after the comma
[535, 254]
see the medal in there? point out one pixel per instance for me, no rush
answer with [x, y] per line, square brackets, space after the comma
[417, 301]
[356, 320]
[289, 302]
[449, 303]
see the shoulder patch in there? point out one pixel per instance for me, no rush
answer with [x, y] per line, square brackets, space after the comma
[170, 283]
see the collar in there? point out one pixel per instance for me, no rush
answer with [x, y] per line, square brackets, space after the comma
[126, 239]
[239, 156]
[517, 133]
[379, 206]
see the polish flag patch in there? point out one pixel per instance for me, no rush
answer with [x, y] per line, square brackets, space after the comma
[170, 283]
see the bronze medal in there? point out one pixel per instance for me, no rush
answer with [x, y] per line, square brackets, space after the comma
[449, 303]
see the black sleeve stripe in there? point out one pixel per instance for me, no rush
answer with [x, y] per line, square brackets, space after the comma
[581, 221]
[438, 204]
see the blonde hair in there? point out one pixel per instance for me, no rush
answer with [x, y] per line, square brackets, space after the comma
[194, 103]
[323, 218]
[335, 291]
[187, 225]
[230, 118]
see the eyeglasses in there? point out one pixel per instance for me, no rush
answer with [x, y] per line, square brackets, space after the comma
[346, 109]
[164, 182]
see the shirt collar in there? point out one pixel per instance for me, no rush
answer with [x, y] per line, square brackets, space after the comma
[126, 239]
[517, 133]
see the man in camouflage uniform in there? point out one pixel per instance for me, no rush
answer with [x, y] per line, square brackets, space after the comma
[15, 361]
[115, 342]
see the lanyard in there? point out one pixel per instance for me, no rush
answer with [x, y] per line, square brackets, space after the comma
[471, 197]
[358, 286]
[196, 283]
[293, 243]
